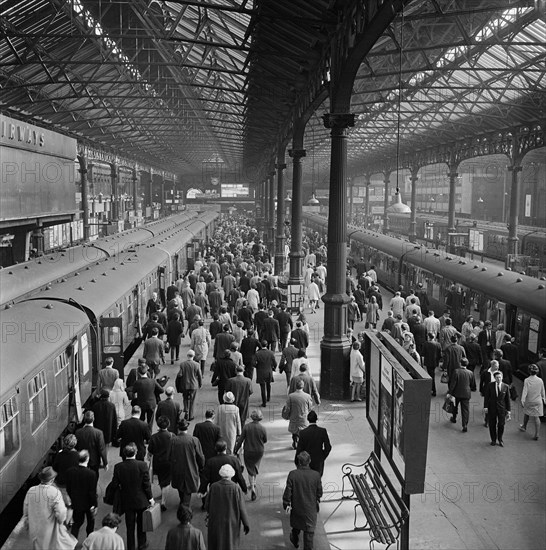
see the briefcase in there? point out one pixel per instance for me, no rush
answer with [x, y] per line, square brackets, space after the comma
[151, 518]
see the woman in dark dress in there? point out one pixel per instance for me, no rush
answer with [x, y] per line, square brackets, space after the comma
[254, 437]
[159, 446]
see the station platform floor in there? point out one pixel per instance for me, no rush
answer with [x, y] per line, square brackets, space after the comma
[476, 497]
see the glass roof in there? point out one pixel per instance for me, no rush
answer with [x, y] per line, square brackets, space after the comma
[181, 84]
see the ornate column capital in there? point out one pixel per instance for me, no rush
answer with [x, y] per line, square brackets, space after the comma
[296, 153]
[453, 174]
[338, 120]
[280, 166]
[516, 168]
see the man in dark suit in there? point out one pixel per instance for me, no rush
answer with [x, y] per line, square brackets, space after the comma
[259, 317]
[316, 442]
[154, 352]
[461, 384]
[271, 331]
[300, 336]
[208, 434]
[134, 430]
[497, 408]
[487, 339]
[91, 438]
[301, 499]
[241, 387]
[222, 342]
[133, 478]
[81, 486]
[146, 391]
[249, 346]
[285, 325]
[504, 366]
[169, 408]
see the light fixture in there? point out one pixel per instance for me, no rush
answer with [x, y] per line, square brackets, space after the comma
[313, 201]
[398, 207]
[480, 200]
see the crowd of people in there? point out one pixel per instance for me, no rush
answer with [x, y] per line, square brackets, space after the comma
[229, 312]
[229, 309]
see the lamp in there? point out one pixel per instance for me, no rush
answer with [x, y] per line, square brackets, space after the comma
[313, 201]
[398, 207]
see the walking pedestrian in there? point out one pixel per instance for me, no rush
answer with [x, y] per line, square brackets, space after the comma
[265, 365]
[106, 418]
[253, 439]
[91, 438]
[44, 514]
[118, 396]
[298, 405]
[81, 486]
[146, 391]
[226, 511]
[188, 381]
[134, 430]
[169, 408]
[106, 537]
[208, 433]
[301, 500]
[184, 536]
[241, 387]
[532, 400]
[315, 441]
[461, 384]
[229, 421]
[158, 449]
[186, 458]
[133, 479]
[357, 371]
[497, 408]
[200, 344]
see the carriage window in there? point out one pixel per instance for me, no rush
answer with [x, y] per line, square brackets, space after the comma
[533, 335]
[10, 441]
[85, 354]
[37, 397]
[111, 340]
[60, 365]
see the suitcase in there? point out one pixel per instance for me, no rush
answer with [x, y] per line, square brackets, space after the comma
[151, 518]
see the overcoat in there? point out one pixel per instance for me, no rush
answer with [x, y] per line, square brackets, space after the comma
[225, 505]
[303, 492]
[186, 458]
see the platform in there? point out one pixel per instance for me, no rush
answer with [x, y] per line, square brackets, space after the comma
[477, 497]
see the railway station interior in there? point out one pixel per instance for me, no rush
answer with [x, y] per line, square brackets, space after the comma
[405, 137]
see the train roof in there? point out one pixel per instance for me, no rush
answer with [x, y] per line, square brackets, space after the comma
[25, 278]
[526, 292]
[102, 284]
[33, 331]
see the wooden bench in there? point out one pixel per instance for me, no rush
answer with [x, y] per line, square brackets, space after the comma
[383, 507]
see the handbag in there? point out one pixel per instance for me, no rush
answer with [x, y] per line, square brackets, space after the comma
[444, 379]
[449, 405]
[167, 347]
[513, 393]
[285, 412]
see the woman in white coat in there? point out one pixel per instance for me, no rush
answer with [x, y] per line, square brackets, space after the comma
[532, 400]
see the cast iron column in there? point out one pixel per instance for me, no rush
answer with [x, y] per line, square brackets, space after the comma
[271, 215]
[85, 199]
[513, 218]
[279, 240]
[367, 201]
[386, 202]
[451, 207]
[114, 205]
[296, 254]
[335, 346]
[412, 228]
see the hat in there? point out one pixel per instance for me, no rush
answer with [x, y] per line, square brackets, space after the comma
[183, 425]
[47, 474]
[229, 397]
[226, 471]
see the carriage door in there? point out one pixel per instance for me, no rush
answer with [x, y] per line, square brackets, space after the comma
[161, 284]
[112, 342]
[190, 257]
[77, 413]
[176, 269]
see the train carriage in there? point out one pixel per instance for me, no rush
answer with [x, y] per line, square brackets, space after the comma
[466, 288]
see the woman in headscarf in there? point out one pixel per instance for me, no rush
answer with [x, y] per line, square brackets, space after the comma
[118, 396]
[225, 506]
[229, 421]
